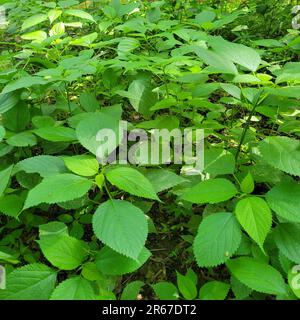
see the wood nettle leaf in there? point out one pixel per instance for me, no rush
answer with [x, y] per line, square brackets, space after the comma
[75, 288]
[210, 191]
[282, 153]
[31, 282]
[4, 178]
[284, 200]
[255, 216]
[83, 165]
[56, 134]
[131, 181]
[121, 226]
[218, 237]
[257, 275]
[63, 251]
[88, 132]
[111, 262]
[141, 96]
[44, 165]
[214, 290]
[58, 188]
[287, 238]
[33, 21]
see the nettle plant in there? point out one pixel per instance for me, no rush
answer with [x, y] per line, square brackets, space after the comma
[72, 228]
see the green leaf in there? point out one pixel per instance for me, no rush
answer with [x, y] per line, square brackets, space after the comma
[235, 52]
[8, 101]
[63, 251]
[11, 205]
[186, 287]
[110, 262]
[287, 238]
[214, 290]
[89, 102]
[24, 82]
[80, 14]
[255, 217]
[210, 191]
[284, 200]
[58, 188]
[131, 181]
[121, 226]
[37, 36]
[247, 184]
[165, 290]
[76, 288]
[282, 153]
[31, 282]
[218, 161]
[219, 63]
[132, 290]
[141, 96]
[4, 178]
[43, 165]
[257, 275]
[88, 132]
[85, 41]
[33, 21]
[23, 139]
[217, 239]
[56, 134]
[84, 165]
[162, 179]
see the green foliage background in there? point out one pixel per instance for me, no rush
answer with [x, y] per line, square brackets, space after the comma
[73, 229]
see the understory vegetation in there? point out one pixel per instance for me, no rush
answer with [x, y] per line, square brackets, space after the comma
[74, 228]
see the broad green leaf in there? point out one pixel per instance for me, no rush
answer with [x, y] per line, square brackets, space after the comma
[84, 165]
[282, 153]
[214, 290]
[92, 132]
[36, 36]
[255, 217]
[247, 184]
[121, 226]
[4, 178]
[162, 179]
[58, 188]
[2, 133]
[43, 165]
[257, 275]
[141, 96]
[217, 239]
[235, 52]
[53, 14]
[85, 41]
[56, 134]
[63, 251]
[165, 290]
[287, 238]
[11, 205]
[284, 200]
[186, 286]
[33, 21]
[24, 82]
[110, 262]
[210, 191]
[8, 101]
[132, 290]
[89, 102]
[31, 282]
[131, 181]
[218, 161]
[219, 63]
[239, 289]
[76, 288]
[53, 228]
[126, 45]
[23, 139]
[80, 14]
